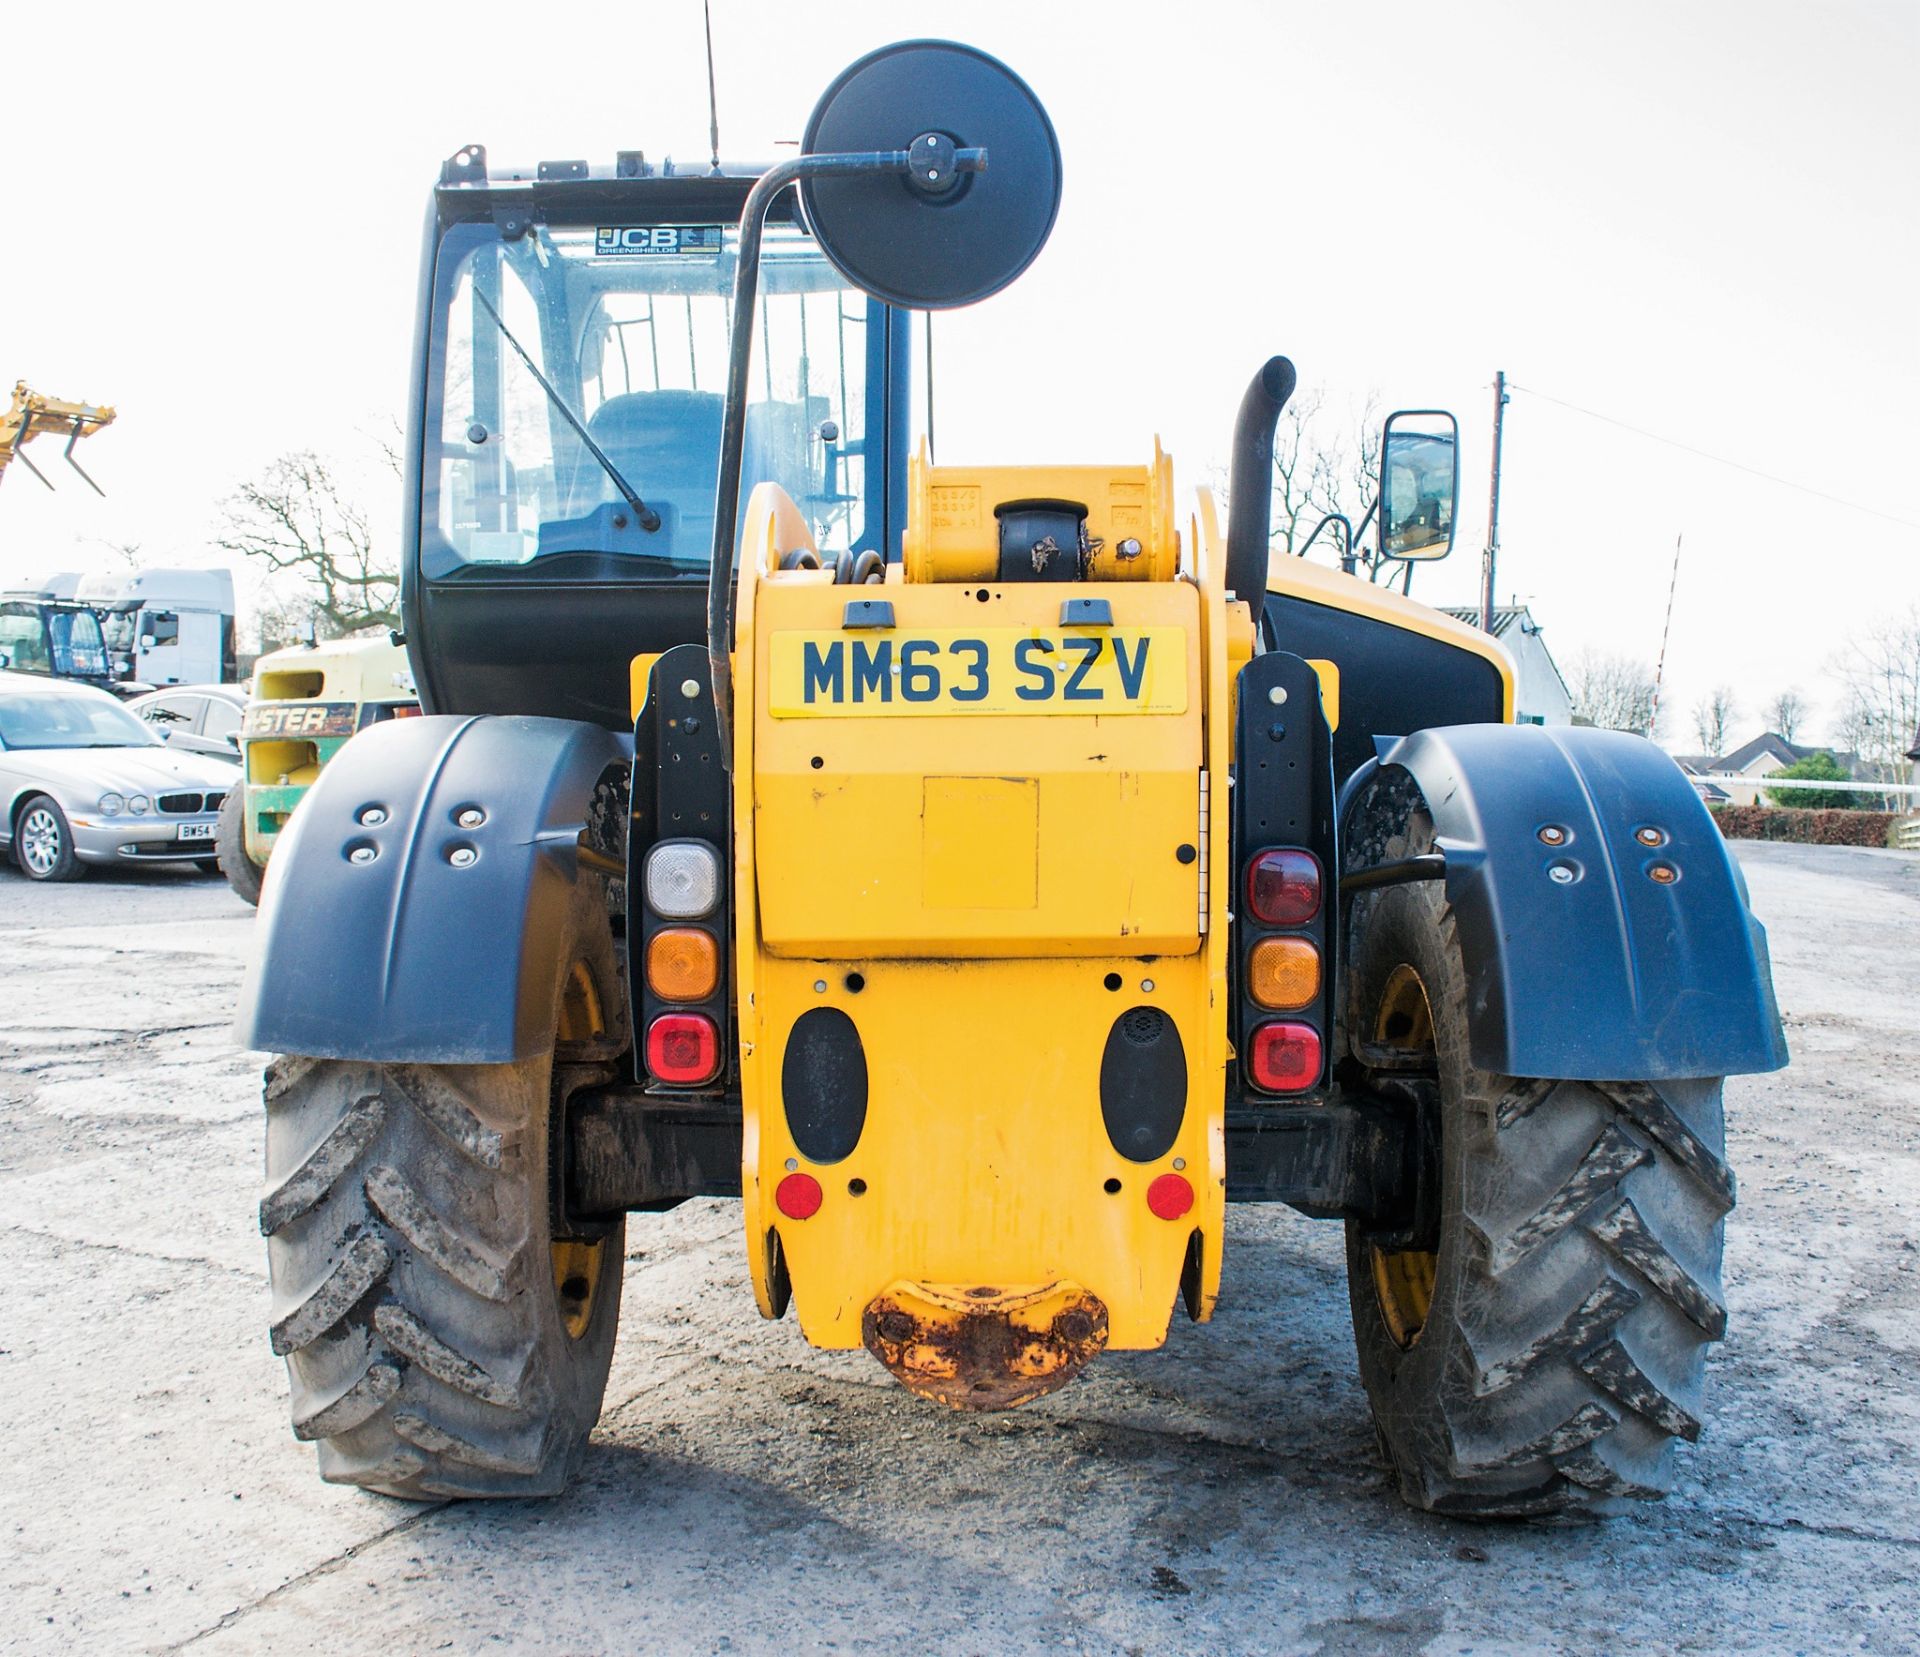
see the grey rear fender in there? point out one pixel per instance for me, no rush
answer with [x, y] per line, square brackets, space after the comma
[1580, 963]
[438, 947]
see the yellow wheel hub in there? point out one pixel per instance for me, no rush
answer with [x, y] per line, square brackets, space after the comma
[1403, 1279]
[576, 1264]
[576, 1272]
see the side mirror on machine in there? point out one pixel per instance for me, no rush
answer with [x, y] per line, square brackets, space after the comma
[1419, 478]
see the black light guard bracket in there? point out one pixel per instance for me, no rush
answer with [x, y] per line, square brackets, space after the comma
[746, 293]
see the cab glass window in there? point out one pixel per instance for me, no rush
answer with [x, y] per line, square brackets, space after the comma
[625, 330]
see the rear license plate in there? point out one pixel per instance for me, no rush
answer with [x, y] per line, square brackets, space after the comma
[196, 831]
[996, 670]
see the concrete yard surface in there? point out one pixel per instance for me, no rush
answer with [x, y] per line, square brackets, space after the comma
[744, 1493]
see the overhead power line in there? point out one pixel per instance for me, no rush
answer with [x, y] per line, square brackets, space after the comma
[1720, 460]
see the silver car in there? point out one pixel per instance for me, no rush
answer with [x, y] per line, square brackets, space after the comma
[84, 781]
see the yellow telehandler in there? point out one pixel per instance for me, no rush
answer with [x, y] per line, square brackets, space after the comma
[987, 874]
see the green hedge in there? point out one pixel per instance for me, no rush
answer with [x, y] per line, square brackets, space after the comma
[1813, 828]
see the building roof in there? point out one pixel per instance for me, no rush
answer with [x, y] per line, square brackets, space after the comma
[1767, 743]
[1504, 616]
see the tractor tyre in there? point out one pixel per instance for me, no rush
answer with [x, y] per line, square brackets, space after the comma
[446, 1331]
[1542, 1347]
[230, 846]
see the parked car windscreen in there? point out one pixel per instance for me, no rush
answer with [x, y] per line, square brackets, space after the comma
[68, 721]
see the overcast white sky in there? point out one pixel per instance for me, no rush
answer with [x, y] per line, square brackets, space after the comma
[1698, 218]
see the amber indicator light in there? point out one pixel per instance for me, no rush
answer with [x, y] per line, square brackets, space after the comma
[683, 964]
[1284, 973]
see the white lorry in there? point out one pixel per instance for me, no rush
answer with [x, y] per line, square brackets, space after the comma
[166, 626]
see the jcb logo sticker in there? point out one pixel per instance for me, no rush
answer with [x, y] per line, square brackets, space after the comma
[656, 238]
[999, 670]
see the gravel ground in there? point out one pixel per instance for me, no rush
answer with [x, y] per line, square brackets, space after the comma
[745, 1493]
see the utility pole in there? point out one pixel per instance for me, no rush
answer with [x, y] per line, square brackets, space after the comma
[1493, 506]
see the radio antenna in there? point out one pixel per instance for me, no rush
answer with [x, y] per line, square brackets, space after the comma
[713, 99]
[1666, 630]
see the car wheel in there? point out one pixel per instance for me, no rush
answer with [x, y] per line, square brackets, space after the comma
[43, 843]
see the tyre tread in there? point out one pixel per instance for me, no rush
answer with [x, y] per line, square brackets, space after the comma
[307, 1186]
[350, 1279]
[1575, 1360]
[396, 1201]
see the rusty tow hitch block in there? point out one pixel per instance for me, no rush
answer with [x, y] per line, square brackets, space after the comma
[984, 1348]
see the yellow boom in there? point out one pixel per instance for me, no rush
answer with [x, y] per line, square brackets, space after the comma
[34, 415]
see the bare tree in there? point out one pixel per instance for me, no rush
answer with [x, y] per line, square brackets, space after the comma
[1294, 513]
[1881, 672]
[300, 520]
[1346, 470]
[1612, 691]
[1785, 713]
[1712, 714]
[127, 553]
[1321, 469]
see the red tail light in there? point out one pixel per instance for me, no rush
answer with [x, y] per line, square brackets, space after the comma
[1283, 887]
[683, 1048]
[1285, 1058]
[798, 1196]
[1169, 1197]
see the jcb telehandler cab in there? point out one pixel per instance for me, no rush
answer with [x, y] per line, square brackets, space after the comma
[997, 879]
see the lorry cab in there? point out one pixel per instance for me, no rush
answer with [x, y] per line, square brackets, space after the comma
[167, 626]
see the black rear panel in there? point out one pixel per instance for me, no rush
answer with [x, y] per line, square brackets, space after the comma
[556, 648]
[1391, 681]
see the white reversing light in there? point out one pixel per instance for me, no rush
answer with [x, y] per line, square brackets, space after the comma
[683, 880]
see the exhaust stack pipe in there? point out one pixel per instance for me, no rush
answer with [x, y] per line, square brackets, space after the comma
[1250, 508]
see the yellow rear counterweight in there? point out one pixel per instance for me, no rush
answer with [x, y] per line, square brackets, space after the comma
[975, 824]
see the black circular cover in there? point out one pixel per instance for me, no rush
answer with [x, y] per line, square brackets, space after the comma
[921, 251]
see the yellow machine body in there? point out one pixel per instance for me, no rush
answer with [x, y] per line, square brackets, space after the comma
[983, 886]
[983, 820]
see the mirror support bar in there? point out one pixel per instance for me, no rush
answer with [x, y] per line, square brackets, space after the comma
[733, 426]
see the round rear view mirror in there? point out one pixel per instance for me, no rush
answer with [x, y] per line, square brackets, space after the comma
[934, 238]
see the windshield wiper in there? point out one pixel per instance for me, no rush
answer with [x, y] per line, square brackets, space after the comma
[644, 515]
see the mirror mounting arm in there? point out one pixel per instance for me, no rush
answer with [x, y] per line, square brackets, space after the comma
[1346, 539]
[733, 426]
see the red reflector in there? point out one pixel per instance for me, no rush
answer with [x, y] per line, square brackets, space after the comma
[798, 1196]
[1285, 1057]
[1169, 1197]
[683, 1047]
[1283, 887]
